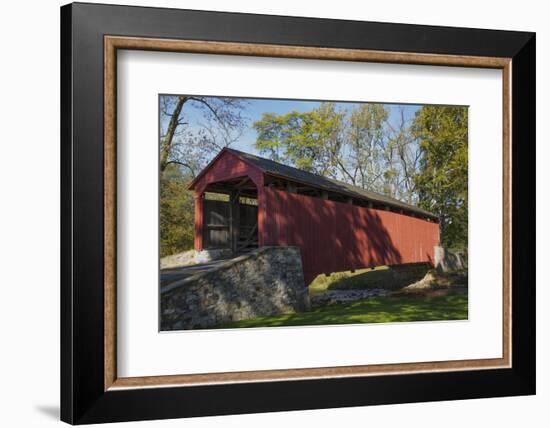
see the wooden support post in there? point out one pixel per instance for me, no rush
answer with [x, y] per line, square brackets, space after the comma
[262, 202]
[199, 221]
[234, 219]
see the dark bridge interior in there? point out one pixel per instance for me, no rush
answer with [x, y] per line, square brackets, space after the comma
[231, 215]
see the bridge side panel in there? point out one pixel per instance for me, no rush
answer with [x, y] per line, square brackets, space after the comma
[335, 236]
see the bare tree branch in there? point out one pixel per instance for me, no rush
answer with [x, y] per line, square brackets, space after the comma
[186, 165]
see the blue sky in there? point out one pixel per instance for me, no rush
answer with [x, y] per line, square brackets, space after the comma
[256, 107]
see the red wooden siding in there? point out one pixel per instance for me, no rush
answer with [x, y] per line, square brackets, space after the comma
[226, 167]
[335, 236]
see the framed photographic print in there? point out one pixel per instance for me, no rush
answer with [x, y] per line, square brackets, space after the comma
[265, 213]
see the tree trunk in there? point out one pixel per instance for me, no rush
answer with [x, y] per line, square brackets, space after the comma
[172, 126]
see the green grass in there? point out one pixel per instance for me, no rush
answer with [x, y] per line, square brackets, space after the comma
[386, 277]
[375, 310]
[324, 282]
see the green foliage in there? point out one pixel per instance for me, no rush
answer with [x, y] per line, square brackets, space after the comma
[216, 196]
[309, 141]
[176, 212]
[442, 180]
[375, 310]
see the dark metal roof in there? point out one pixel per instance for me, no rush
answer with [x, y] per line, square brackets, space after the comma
[278, 169]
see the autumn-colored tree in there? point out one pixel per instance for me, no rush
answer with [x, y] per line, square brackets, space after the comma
[176, 212]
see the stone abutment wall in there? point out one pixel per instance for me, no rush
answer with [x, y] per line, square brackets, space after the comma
[449, 261]
[267, 281]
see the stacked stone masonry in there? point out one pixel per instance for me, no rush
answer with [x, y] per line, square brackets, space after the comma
[267, 281]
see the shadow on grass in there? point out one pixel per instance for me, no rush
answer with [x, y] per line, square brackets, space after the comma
[375, 310]
[384, 277]
[391, 278]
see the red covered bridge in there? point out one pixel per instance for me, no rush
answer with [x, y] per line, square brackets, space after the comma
[337, 226]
